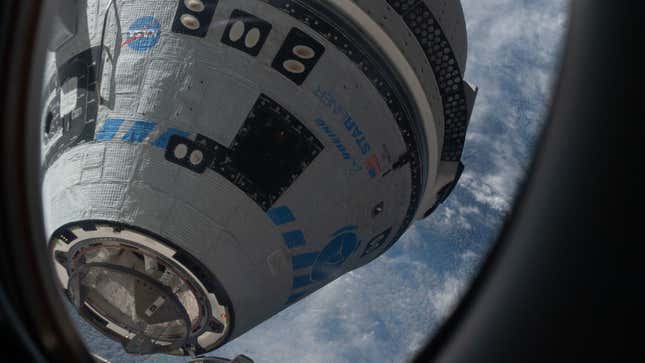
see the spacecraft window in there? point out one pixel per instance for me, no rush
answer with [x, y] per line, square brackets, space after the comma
[313, 180]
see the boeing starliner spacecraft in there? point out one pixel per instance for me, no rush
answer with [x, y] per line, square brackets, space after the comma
[207, 163]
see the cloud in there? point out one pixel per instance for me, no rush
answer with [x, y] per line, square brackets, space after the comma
[513, 51]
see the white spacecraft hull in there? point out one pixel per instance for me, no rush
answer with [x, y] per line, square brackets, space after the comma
[280, 144]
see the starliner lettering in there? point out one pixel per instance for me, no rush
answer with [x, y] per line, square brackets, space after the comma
[356, 165]
[353, 128]
[329, 100]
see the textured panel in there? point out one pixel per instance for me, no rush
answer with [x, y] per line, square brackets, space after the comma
[162, 75]
[444, 64]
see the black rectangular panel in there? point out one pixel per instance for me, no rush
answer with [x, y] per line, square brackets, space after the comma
[269, 153]
[246, 32]
[298, 56]
[273, 148]
[203, 14]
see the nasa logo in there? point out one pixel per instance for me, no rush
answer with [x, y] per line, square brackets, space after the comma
[342, 245]
[143, 34]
